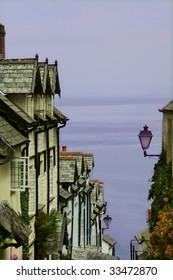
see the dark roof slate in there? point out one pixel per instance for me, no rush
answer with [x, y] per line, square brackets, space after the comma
[15, 113]
[12, 223]
[89, 158]
[59, 115]
[168, 108]
[65, 194]
[54, 78]
[68, 169]
[108, 239]
[27, 76]
[19, 75]
[6, 151]
[10, 134]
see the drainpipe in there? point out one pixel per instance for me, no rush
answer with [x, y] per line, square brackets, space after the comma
[25, 150]
[36, 168]
[36, 181]
[62, 207]
[48, 168]
[72, 222]
[72, 226]
[79, 220]
[58, 169]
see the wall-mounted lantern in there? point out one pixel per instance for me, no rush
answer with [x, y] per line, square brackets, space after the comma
[107, 220]
[145, 137]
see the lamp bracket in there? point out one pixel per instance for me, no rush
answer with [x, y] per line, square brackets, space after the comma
[151, 155]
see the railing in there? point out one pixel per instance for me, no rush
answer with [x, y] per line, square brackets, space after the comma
[135, 253]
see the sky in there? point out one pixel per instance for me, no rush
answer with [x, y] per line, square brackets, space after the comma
[110, 53]
[104, 46]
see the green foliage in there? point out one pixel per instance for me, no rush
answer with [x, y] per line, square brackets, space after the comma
[65, 257]
[160, 222]
[24, 200]
[45, 226]
[4, 242]
[161, 188]
[161, 238]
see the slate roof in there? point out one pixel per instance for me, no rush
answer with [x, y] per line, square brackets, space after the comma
[12, 223]
[74, 188]
[15, 114]
[64, 194]
[27, 75]
[19, 75]
[44, 75]
[6, 151]
[168, 108]
[89, 158]
[87, 189]
[108, 239]
[68, 169]
[142, 239]
[12, 136]
[59, 115]
[54, 78]
[79, 159]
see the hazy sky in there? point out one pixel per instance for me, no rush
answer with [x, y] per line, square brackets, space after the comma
[103, 47]
[116, 52]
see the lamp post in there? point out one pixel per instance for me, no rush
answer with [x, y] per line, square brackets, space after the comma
[107, 220]
[145, 137]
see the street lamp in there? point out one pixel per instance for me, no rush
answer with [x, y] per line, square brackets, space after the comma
[107, 220]
[145, 137]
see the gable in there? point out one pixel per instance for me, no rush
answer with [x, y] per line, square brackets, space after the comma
[45, 79]
[54, 78]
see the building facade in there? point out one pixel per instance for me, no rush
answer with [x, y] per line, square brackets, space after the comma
[37, 179]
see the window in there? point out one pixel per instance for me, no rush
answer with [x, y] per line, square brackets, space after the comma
[52, 178]
[32, 191]
[19, 173]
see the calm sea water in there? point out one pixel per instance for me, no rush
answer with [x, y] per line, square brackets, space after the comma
[108, 128]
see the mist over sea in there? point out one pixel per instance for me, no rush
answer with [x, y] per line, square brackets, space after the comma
[108, 127]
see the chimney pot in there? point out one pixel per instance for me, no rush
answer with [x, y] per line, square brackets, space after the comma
[64, 148]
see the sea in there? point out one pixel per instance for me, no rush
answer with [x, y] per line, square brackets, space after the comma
[108, 127]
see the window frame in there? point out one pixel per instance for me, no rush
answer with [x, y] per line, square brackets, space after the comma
[19, 173]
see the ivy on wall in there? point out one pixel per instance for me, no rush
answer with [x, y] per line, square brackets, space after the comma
[161, 188]
[161, 216]
[24, 200]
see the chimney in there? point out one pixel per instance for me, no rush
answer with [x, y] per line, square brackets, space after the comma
[64, 148]
[2, 41]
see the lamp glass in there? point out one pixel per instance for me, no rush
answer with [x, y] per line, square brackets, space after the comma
[107, 220]
[145, 137]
